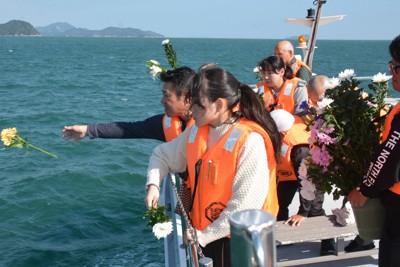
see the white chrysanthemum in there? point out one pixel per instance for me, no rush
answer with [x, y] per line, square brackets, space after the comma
[307, 190]
[155, 70]
[257, 69]
[323, 104]
[331, 83]
[165, 42]
[380, 78]
[153, 62]
[346, 74]
[161, 230]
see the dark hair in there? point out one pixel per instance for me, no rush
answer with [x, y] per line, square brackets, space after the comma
[178, 76]
[394, 48]
[275, 64]
[214, 82]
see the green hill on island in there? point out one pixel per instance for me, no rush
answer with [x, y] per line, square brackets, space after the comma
[18, 28]
[63, 29]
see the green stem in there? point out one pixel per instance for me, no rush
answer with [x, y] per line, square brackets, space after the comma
[41, 150]
[35, 147]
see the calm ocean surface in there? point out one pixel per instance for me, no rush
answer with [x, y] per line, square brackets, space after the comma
[85, 208]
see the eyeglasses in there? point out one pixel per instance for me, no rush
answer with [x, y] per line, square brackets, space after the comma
[393, 68]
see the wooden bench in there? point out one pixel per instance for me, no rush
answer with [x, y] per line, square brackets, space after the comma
[318, 228]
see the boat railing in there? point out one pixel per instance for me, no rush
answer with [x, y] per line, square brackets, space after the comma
[177, 254]
[175, 251]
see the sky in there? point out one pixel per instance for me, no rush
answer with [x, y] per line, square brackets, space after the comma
[255, 19]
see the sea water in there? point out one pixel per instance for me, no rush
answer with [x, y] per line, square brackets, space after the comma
[85, 208]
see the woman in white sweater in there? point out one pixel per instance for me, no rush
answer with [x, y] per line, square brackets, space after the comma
[230, 155]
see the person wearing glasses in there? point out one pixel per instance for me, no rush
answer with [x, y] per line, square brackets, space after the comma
[385, 183]
[281, 89]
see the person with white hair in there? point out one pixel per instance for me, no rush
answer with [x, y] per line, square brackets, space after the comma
[284, 49]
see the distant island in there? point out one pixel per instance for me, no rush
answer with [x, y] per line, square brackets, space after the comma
[63, 29]
[18, 28]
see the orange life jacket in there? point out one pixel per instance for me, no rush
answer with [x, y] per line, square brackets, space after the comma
[218, 169]
[172, 127]
[297, 65]
[285, 99]
[385, 133]
[294, 136]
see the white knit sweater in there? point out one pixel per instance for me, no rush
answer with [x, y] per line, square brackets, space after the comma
[250, 185]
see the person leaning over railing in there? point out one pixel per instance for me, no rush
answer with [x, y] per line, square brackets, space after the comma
[231, 154]
[163, 127]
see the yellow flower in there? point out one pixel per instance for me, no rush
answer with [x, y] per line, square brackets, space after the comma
[11, 138]
[7, 135]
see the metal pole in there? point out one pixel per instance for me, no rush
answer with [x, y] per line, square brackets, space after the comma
[313, 36]
[195, 259]
[252, 239]
[206, 262]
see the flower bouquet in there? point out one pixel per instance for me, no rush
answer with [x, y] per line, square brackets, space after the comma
[155, 68]
[161, 222]
[344, 134]
[258, 73]
[10, 137]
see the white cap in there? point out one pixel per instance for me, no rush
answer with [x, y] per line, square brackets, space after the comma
[283, 119]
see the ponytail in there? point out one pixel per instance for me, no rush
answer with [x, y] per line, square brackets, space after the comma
[251, 108]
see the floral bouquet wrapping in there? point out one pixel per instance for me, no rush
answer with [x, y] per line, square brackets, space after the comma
[161, 223]
[344, 133]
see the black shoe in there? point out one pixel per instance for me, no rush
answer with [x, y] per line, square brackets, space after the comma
[328, 247]
[353, 246]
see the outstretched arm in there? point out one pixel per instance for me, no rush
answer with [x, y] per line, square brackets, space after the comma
[76, 132]
[151, 128]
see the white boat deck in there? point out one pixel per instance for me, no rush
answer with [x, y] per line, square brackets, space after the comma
[311, 249]
[175, 253]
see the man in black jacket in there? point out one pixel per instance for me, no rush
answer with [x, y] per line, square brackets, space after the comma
[383, 176]
[173, 99]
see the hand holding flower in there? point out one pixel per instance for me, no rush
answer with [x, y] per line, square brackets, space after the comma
[161, 222]
[152, 196]
[10, 137]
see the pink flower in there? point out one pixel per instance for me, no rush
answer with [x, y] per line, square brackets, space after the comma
[315, 152]
[325, 157]
[317, 124]
[313, 137]
[372, 105]
[325, 139]
[320, 156]
[329, 130]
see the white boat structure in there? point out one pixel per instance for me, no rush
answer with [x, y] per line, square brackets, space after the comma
[313, 21]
